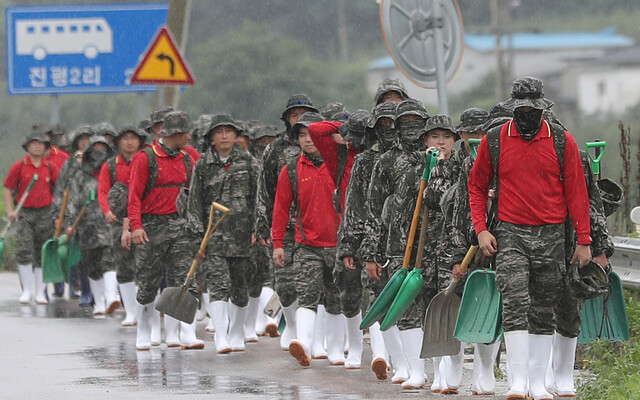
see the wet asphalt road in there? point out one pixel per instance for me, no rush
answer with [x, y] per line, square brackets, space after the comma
[59, 351]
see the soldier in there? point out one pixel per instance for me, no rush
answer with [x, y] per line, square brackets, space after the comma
[34, 224]
[395, 181]
[243, 138]
[228, 176]
[536, 187]
[198, 132]
[54, 154]
[390, 90]
[94, 233]
[118, 169]
[332, 109]
[306, 183]
[106, 130]
[275, 157]
[163, 247]
[262, 136]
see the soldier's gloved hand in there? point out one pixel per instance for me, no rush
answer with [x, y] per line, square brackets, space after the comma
[583, 252]
[253, 238]
[12, 216]
[266, 242]
[70, 231]
[125, 239]
[348, 262]
[110, 217]
[140, 236]
[373, 270]
[199, 255]
[487, 243]
[457, 273]
[278, 257]
[602, 261]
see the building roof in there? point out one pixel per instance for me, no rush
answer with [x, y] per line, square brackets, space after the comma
[606, 38]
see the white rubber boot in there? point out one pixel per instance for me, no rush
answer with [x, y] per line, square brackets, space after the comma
[250, 335]
[412, 343]
[305, 327]
[143, 334]
[538, 362]
[219, 314]
[207, 305]
[111, 291]
[318, 350]
[452, 371]
[396, 353]
[517, 343]
[289, 332]
[484, 358]
[438, 379]
[128, 294]
[97, 290]
[156, 325]
[172, 332]
[266, 326]
[379, 356]
[355, 338]
[564, 357]
[188, 339]
[335, 332]
[41, 287]
[26, 279]
[238, 318]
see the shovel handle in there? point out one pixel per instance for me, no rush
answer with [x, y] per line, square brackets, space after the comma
[26, 193]
[467, 258]
[424, 223]
[83, 211]
[595, 161]
[63, 209]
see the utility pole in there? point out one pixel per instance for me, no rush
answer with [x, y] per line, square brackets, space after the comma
[178, 23]
[496, 28]
[343, 30]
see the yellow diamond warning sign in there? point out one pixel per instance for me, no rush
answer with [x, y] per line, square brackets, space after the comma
[162, 63]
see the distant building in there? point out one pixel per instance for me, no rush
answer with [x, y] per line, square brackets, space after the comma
[543, 55]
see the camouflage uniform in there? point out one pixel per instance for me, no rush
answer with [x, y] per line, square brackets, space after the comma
[312, 266]
[228, 253]
[389, 85]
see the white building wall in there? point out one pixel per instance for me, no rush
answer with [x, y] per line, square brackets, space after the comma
[608, 91]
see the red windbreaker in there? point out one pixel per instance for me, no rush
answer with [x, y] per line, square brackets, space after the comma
[57, 156]
[123, 172]
[20, 175]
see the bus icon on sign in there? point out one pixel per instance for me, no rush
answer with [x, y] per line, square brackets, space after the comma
[41, 37]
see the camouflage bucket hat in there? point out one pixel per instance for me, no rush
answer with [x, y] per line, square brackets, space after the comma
[305, 120]
[498, 115]
[117, 199]
[159, 113]
[411, 107]
[78, 133]
[382, 110]
[353, 130]
[472, 119]
[390, 85]
[145, 125]
[588, 282]
[36, 134]
[222, 120]
[104, 128]
[176, 122]
[264, 130]
[527, 92]
[331, 109]
[297, 100]
[441, 121]
[133, 129]
[611, 194]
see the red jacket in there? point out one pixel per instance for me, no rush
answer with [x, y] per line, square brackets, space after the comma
[321, 135]
[123, 172]
[20, 176]
[530, 190]
[57, 156]
[160, 200]
[315, 198]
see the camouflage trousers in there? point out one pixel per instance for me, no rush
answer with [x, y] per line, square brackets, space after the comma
[260, 273]
[285, 278]
[349, 282]
[226, 277]
[35, 227]
[96, 261]
[529, 268]
[123, 259]
[168, 254]
[313, 268]
[567, 311]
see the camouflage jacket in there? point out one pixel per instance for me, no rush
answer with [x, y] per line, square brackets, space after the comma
[93, 230]
[392, 193]
[352, 228]
[68, 170]
[275, 157]
[234, 188]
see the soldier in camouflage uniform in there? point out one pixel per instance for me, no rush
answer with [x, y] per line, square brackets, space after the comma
[262, 136]
[106, 130]
[276, 155]
[164, 248]
[199, 131]
[94, 234]
[395, 181]
[535, 190]
[228, 176]
[332, 109]
[390, 90]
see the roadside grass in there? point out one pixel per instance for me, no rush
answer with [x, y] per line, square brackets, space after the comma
[614, 368]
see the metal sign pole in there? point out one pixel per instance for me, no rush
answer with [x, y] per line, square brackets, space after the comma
[443, 106]
[54, 116]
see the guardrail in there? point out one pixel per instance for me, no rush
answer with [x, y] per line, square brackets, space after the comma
[626, 261]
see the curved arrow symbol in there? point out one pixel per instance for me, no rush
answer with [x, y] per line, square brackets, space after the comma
[162, 57]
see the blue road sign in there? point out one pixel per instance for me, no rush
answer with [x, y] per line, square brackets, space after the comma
[78, 48]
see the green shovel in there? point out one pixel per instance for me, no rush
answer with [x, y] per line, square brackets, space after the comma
[473, 148]
[51, 268]
[63, 241]
[412, 284]
[599, 146]
[17, 211]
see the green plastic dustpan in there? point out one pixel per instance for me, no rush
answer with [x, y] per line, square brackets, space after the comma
[51, 266]
[408, 292]
[605, 317]
[382, 303]
[480, 316]
[75, 254]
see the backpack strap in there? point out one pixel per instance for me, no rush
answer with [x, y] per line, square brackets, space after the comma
[559, 143]
[153, 172]
[343, 153]
[292, 171]
[111, 164]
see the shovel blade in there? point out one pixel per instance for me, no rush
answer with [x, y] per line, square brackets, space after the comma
[479, 319]
[380, 306]
[439, 326]
[408, 292]
[605, 320]
[1, 249]
[178, 303]
[51, 267]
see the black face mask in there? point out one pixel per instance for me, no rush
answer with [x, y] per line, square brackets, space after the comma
[528, 122]
[386, 136]
[96, 158]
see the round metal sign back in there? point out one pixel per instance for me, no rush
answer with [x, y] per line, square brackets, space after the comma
[408, 29]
